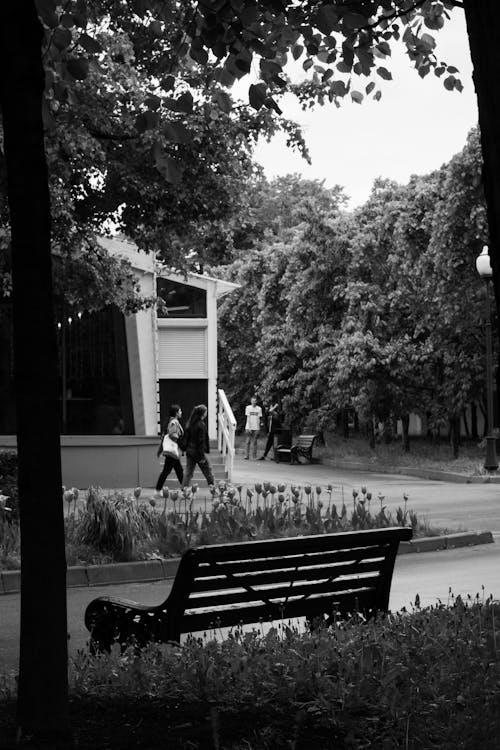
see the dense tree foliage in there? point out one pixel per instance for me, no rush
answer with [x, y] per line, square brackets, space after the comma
[378, 310]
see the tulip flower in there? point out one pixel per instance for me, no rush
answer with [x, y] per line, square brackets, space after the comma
[137, 492]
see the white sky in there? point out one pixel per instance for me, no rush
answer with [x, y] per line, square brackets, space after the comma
[416, 127]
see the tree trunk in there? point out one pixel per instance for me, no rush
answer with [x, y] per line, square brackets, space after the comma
[370, 434]
[455, 434]
[405, 421]
[42, 707]
[466, 424]
[473, 420]
[483, 22]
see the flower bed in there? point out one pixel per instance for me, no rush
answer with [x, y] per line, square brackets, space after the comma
[118, 528]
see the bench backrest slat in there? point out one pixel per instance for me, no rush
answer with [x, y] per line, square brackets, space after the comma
[289, 562]
[277, 576]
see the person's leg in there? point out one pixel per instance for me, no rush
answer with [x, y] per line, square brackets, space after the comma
[179, 471]
[206, 469]
[269, 444]
[247, 444]
[167, 468]
[255, 435]
[188, 474]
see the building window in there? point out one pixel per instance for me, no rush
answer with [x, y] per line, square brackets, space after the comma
[180, 300]
[94, 379]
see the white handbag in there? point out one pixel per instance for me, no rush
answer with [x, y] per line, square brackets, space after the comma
[170, 447]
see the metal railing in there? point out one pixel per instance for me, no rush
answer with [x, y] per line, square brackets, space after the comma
[226, 431]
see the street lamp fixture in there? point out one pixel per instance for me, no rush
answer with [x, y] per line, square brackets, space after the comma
[484, 270]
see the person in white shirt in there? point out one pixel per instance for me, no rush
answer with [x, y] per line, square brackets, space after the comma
[253, 414]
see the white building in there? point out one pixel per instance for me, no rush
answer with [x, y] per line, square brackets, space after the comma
[121, 373]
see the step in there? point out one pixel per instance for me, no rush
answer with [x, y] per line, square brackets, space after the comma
[198, 478]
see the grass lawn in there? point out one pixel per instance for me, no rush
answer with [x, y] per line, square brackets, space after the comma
[422, 455]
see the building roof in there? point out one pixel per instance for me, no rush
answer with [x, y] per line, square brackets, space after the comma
[147, 263]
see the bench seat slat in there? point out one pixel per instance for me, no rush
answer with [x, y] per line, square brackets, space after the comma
[221, 582]
[344, 603]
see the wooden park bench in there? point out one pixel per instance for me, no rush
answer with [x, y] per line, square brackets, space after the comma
[301, 446]
[225, 585]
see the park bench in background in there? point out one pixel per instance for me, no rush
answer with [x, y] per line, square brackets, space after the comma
[300, 446]
[226, 585]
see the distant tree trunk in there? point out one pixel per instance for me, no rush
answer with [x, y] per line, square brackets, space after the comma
[370, 434]
[483, 22]
[466, 424]
[345, 423]
[405, 421]
[42, 708]
[455, 434]
[473, 421]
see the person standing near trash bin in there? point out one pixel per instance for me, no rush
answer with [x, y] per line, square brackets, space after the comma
[273, 426]
[253, 414]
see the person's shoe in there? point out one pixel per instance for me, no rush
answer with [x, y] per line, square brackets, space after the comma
[245, 458]
[262, 458]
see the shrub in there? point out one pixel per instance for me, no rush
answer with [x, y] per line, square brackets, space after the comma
[425, 679]
[113, 525]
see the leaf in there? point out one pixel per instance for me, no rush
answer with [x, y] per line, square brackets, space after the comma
[449, 83]
[168, 83]
[183, 104]
[338, 88]
[89, 44]
[257, 95]
[177, 132]
[384, 73]
[223, 101]
[61, 38]
[354, 20]
[327, 19]
[78, 67]
[146, 121]
[47, 12]
[170, 169]
[357, 96]
[297, 51]
[428, 41]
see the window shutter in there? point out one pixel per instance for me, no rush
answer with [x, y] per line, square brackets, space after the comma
[182, 352]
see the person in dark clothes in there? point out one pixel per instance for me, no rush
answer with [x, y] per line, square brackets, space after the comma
[273, 425]
[197, 446]
[173, 429]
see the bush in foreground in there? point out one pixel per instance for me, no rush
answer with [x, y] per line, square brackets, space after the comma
[420, 680]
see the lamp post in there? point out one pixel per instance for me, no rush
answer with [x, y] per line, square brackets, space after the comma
[484, 270]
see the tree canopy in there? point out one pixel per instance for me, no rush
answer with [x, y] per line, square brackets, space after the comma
[377, 310]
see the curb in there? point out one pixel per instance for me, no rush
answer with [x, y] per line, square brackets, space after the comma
[434, 474]
[158, 570]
